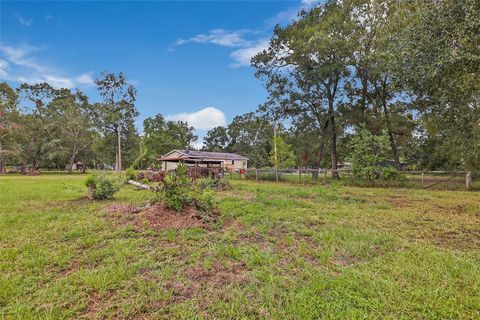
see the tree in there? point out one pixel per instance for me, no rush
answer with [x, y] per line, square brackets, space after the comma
[117, 112]
[9, 124]
[312, 57]
[37, 132]
[366, 153]
[162, 136]
[251, 136]
[216, 139]
[72, 117]
[438, 62]
[283, 157]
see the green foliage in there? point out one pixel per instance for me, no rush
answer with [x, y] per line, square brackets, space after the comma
[103, 186]
[367, 151]
[284, 156]
[216, 139]
[130, 174]
[214, 184]
[178, 192]
[161, 136]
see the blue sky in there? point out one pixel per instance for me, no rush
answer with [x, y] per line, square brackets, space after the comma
[188, 60]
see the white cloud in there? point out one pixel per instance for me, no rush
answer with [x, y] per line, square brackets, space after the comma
[86, 79]
[204, 119]
[219, 37]
[19, 64]
[243, 56]
[4, 66]
[24, 21]
[310, 2]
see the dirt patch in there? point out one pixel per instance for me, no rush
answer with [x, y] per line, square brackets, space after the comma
[402, 202]
[71, 268]
[96, 303]
[160, 217]
[219, 275]
[204, 283]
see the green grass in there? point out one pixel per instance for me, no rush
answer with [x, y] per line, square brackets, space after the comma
[279, 251]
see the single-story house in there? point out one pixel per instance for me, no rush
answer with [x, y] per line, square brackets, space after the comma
[207, 159]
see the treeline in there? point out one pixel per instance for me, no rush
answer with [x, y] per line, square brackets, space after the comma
[398, 79]
[408, 71]
[44, 127]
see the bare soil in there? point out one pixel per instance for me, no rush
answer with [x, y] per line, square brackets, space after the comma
[160, 217]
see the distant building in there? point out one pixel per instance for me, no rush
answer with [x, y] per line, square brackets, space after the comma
[207, 159]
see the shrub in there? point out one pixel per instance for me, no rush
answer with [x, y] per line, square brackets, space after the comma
[130, 174]
[102, 186]
[367, 152]
[175, 193]
[390, 173]
[178, 192]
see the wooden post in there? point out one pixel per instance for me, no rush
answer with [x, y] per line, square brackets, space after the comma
[276, 174]
[300, 175]
[325, 175]
[468, 180]
[422, 178]
[256, 174]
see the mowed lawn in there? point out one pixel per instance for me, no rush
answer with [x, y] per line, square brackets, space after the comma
[278, 251]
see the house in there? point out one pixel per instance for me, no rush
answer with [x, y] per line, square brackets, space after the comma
[229, 161]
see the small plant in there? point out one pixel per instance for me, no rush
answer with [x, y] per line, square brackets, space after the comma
[178, 192]
[390, 173]
[130, 174]
[102, 186]
[215, 184]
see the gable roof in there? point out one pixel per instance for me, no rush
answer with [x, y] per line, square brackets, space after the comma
[198, 155]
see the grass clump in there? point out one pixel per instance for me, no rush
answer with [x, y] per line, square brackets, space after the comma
[215, 184]
[102, 186]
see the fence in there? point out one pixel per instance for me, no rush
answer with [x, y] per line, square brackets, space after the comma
[447, 180]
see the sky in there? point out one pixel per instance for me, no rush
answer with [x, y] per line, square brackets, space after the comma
[189, 60]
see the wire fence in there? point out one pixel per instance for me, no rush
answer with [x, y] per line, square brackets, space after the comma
[439, 180]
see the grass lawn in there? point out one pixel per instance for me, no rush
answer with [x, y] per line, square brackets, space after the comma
[278, 251]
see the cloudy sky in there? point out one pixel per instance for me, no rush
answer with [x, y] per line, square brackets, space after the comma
[188, 60]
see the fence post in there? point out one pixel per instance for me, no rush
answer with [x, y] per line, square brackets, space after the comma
[256, 174]
[300, 175]
[422, 179]
[468, 180]
[276, 174]
[325, 175]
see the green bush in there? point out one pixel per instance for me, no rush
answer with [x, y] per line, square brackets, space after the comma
[367, 151]
[390, 173]
[175, 192]
[178, 192]
[130, 174]
[102, 186]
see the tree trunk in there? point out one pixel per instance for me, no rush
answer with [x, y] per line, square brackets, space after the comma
[391, 137]
[70, 168]
[363, 97]
[322, 144]
[333, 135]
